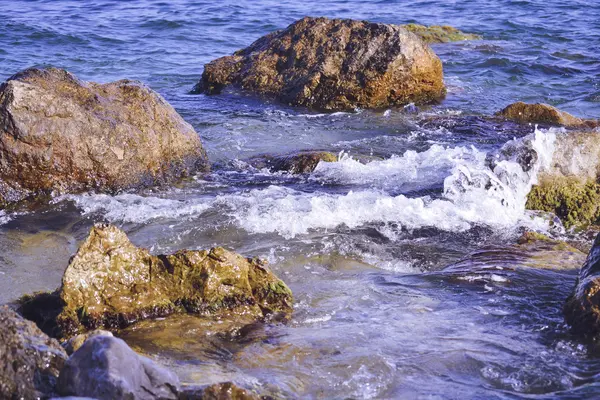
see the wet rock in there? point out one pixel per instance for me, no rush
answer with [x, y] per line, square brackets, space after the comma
[110, 284]
[574, 202]
[30, 361]
[569, 188]
[299, 163]
[542, 113]
[332, 64]
[73, 344]
[582, 308]
[59, 134]
[219, 391]
[106, 368]
[439, 34]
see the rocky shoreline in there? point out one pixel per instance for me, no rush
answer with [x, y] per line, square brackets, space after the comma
[61, 135]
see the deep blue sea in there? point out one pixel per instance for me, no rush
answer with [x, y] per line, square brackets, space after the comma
[405, 274]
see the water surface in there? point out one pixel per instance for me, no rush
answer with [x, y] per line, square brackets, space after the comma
[407, 279]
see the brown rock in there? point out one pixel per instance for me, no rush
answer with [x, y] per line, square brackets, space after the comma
[543, 113]
[30, 361]
[333, 64]
[59, 134]
[298, 163]
[110, 284]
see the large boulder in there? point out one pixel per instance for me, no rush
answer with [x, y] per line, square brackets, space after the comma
[569, 187]
[542, 113]
[30, 361]
[59, 134]
[582, 308]
[439, 33]
[105, 368]
[333, 64]
[110, 283]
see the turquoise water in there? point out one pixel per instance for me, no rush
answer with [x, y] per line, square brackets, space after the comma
[405, 275]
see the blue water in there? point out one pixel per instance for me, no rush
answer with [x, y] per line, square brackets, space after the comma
[364, 248]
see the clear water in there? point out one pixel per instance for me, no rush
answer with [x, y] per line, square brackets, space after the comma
[405, 273]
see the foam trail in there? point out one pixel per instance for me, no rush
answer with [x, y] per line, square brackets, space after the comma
[134, 208]
[476, 191]
[412, 170]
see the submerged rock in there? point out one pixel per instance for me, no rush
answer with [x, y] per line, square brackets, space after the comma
[219, 391]
[59, 134]
[110, 284]
[299, 163]
[30, 361]
[439, 34]
[333, 64]
[582, 308]
[73, 344]
[569, 188]
[105, 368]
[542, 113]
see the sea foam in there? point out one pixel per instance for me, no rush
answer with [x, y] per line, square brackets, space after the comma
[476, 191]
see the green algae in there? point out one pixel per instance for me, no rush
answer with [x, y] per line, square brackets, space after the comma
[110, 284]
[576, 203]
[440, 34]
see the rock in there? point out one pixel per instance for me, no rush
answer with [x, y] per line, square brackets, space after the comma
[332, 64]
[439, 34]
[543, 113]
[299, 163]
[73, 344]
[59, 134]
[30, 361]
[582, 308]
[219, 391]
[569, 187]
[106, 368]
[574, 202]
[111, 284]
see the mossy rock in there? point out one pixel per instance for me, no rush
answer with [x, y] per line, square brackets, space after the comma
[576, 203]
[440, 34]
[110, 284]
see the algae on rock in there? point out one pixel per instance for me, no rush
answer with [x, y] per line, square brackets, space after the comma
[574, 202]
[110, 283]
[439, 33]
[569, 187]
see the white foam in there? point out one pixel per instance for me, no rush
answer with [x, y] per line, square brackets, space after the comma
[4, 217]
[473, 195]
[413, 169]
[135, 208]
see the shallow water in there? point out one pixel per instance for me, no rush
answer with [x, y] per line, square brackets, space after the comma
[406, 277]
